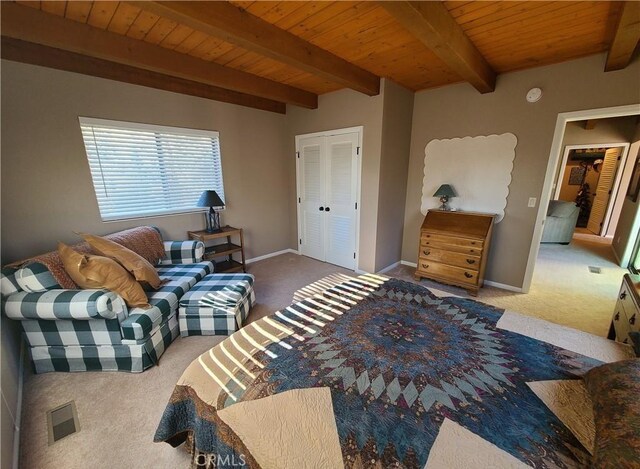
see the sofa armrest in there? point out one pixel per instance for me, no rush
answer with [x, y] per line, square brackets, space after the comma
[65, 304]
[182, 252]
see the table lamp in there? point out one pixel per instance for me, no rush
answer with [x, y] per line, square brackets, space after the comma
[445, 191]
[212, 200]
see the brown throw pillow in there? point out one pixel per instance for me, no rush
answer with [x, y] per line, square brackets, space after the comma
[139, 267]
[614, 390]
[101, 272]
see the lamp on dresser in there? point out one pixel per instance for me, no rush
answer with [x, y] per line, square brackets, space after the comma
[212, 200]
[445, 192]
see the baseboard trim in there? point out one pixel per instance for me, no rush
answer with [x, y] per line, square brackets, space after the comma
[616, 257]
[410, 264]
[389, 267]
[503, 286]
[272, 254]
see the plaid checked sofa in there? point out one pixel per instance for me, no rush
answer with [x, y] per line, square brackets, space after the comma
[93, 330]
[217, 305]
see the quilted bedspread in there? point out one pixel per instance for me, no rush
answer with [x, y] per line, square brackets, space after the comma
[376, 372]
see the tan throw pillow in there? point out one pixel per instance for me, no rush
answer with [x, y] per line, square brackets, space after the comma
[101, 272]
[139, 267]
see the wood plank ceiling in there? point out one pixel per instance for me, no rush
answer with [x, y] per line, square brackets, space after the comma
[509, 36]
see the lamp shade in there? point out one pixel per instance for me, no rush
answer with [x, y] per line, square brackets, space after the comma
[210, 199]
[445, 190]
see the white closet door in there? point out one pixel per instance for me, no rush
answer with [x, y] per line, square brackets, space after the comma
[341, 197]
[603, 190]
[312, 189]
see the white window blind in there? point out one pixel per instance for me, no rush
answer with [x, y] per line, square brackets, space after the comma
[142, 170]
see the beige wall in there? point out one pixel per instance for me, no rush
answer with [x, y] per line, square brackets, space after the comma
[459, 111]
[46, 185]
[9, 360]
[342, 109]
[629, 222]
[46, 176]
[394, 165]
[386, 121]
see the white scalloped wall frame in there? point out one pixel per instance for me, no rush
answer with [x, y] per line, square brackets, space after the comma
[478, 168]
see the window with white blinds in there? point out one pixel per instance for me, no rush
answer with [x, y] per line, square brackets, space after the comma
[142, 170]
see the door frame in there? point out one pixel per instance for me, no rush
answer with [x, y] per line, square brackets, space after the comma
[552, 165]
[616, 182]
[348, 130]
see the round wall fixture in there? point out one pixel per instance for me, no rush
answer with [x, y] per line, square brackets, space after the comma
[534, 94]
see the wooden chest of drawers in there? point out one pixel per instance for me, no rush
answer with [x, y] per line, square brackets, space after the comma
[453, 248]
[626, 315]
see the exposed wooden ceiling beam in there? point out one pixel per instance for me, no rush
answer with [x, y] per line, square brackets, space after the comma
[31, 25]
[434, 26]
[36, 54]
[236, 26]
[626, 37]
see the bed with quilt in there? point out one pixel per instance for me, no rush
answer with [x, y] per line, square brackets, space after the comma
[375, 372]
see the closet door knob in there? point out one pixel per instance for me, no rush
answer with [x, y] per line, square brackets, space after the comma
[327, 209]
[321, 209]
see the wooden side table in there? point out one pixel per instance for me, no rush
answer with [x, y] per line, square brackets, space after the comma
[222, 249]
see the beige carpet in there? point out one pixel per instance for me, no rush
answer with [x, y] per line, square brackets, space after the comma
[119, 412]
[563, 290]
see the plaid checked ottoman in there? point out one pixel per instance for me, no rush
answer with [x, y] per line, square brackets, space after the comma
[217, 305]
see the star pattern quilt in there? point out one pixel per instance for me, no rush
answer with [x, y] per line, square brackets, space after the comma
[377, 372]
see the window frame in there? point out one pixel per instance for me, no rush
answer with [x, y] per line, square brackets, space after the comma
[136, 126]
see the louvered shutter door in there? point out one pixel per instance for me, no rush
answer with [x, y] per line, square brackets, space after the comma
[341, 183]
[312, 191]
[141, 170]
[605, 184]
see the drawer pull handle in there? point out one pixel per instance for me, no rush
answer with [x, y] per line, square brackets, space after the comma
[616, 317]
[623, 295]
[473, 243]
[471, 261]
[426, 252]
[472, 251]
[632, 321]
[625, 340]
[425, 266]
[468, 275]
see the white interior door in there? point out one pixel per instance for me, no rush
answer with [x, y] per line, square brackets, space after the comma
[311, 193]
[328, 176]
[603, 190]
[341, 198]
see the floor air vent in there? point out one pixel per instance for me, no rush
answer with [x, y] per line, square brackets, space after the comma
[595, 270]
[62, 421]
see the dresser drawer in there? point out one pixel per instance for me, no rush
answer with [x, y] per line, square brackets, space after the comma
[433, 239]
[428, 243]
[625, 299]
[448, 272]
[458, 259]
[621, 324]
